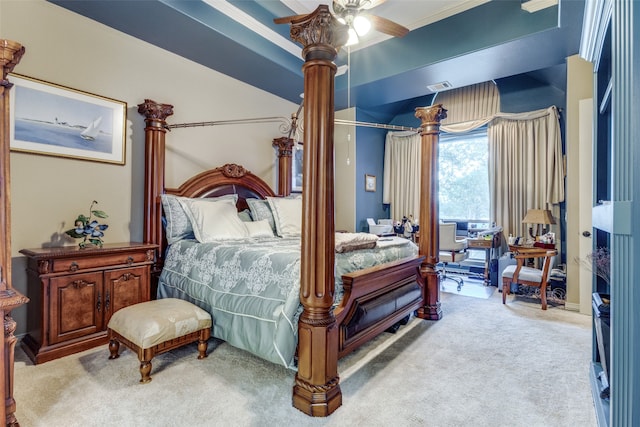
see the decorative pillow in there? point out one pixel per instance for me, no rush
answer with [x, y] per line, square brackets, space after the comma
[287, 214]
[346, 242]
[214, 220]
[260, 210]
[259, 228]
[177, 223]
[245, 215]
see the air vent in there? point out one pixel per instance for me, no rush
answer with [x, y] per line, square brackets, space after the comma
[437, 87]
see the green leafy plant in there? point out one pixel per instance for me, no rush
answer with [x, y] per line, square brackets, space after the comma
[89, 229]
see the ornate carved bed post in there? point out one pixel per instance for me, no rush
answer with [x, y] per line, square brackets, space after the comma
[316, 390]
[155, 131]
[429, 215]
[10, 54]
[284, 147]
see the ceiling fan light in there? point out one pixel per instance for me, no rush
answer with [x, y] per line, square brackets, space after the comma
[353, 37]
[361, 25]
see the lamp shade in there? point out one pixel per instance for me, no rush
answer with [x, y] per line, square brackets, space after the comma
[538, 216]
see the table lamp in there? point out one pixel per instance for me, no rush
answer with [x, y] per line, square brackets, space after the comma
[540, 217]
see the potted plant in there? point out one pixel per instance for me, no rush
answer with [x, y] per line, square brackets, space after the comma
[89, 229]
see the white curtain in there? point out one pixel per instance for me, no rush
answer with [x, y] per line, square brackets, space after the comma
[401, 182]
[526, 167]
[469, 107]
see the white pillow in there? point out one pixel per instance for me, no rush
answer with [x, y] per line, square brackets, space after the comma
[287, 214]
[177, 223]
[214, 220]
[260, 228]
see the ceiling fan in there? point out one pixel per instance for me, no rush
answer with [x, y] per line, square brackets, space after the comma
[354, 14]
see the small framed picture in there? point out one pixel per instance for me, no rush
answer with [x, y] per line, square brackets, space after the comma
[56, 120]
[370, 183]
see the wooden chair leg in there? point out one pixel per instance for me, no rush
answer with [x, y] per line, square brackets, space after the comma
[114, 347]
[543, 295]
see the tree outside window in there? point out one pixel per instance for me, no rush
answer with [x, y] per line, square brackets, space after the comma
[464, 176]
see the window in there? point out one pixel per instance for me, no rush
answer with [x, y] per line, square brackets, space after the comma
[296, 169]
[464, 176]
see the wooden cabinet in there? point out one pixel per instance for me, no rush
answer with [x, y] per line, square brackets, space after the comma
[75, 291]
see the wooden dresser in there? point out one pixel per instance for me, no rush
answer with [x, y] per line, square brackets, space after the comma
[75, 291]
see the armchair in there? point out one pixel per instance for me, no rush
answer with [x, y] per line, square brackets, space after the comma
[529, 276]
[451, 249]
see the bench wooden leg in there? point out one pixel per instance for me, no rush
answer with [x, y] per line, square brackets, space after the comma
[114, 347]
[145, 370]
[205, 334]
[145, 355]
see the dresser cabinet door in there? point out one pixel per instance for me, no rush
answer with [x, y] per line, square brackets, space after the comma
[124, 287]
[76, 306]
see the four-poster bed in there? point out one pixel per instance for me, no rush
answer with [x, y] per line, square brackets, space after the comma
[374, 298]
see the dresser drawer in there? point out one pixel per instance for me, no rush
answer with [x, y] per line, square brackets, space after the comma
[98, 261]
[72, 259]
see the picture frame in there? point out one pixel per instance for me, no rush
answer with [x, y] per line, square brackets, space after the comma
[370, 183]
[56, 120]
[296, 169]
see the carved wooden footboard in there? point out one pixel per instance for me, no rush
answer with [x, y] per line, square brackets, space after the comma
[375, 299]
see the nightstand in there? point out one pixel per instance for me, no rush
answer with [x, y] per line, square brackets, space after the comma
[75, 291]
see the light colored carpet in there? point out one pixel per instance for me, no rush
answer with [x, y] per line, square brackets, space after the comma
[483, 364]
[470, 287]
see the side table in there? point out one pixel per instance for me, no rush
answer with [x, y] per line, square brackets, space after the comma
[75, 291]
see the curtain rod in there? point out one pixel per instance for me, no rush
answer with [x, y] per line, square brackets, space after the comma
[230, 122]
[374, 125]
[285, 124]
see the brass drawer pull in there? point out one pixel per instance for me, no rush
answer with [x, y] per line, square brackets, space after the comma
[74, 266]
[129, 260]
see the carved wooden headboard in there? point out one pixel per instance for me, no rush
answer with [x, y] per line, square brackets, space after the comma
[228, 179]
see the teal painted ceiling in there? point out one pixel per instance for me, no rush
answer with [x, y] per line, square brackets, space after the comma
[493, 40]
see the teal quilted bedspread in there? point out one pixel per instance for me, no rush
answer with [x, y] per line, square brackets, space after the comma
[251, 287]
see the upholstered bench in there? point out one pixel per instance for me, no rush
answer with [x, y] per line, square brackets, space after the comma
[157, 326]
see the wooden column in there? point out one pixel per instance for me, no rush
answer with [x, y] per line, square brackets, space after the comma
[316, 390]
[429, 214]
[155, 132]
[284, 147]
[10, 54]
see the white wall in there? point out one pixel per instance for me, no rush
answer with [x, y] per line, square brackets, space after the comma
[579, 87]
[67, 49]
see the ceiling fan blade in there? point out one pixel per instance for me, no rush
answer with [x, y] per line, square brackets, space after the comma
[287, 19]
[386, 26]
